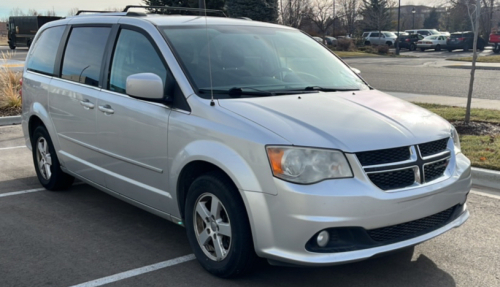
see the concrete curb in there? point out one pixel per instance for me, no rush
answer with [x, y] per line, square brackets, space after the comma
[469, 67]
[486, 177]
[14, 120]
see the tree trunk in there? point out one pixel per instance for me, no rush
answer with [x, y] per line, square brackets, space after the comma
[474, 58]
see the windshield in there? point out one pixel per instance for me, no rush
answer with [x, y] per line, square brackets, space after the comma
[259, 59]
[434, 32]
[390, 34]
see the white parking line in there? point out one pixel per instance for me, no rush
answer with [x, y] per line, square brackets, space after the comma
[21, 192]
[136, 272]
[12, 147]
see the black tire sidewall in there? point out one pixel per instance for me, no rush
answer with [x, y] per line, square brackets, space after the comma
[58, 180]
[241, 249]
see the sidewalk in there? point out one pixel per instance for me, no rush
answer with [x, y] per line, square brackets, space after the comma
[449, 101]
[463, 65]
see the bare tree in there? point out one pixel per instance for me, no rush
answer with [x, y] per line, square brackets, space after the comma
[72, 11]
[321, 14]
[17, 12]
[473, 9]
[349, 11]
[50, 12]
[292, 12]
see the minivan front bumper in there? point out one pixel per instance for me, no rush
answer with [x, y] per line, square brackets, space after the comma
[282, 225]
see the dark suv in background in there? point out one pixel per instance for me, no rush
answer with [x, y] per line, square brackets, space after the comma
[464, 40]
[409, 41]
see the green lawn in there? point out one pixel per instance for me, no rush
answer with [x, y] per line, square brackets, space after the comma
[483, 151]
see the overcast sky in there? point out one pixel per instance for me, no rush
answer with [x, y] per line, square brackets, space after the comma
[61, 7]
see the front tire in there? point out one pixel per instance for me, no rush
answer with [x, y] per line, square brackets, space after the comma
[217, 226]
[47, 166]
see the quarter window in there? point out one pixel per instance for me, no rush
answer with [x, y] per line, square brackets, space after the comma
[134, 54]
[84, 54]
[43, 53]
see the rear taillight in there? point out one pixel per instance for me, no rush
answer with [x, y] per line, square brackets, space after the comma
[407, 40]
[21, 87]
[461, 39]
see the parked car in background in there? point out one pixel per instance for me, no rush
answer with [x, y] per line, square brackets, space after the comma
[435, 42]
[331, 41]
[409, 41]
[494, 39]
[446, 34]
[318, 39]
[382, 38]
[423, 32]
[464, 40]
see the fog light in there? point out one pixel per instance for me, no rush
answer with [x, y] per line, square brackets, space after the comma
[323, 238]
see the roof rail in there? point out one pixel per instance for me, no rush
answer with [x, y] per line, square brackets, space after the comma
[93, 11]
[168, 8]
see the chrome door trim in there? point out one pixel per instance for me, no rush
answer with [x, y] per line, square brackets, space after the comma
[128, 160]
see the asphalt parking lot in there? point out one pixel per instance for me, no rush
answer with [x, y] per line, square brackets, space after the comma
[84, 236]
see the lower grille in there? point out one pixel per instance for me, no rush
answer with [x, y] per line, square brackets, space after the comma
[412, 228]
[435, 170]
[393, 179]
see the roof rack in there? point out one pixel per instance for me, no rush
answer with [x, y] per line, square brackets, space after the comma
[93, 11]
[168, 8]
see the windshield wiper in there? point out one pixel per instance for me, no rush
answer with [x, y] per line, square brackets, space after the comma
[237, 92]
[318, 88]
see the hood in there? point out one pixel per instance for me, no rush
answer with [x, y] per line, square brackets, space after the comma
[350, 121]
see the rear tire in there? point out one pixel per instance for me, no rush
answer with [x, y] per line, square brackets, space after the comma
[466, 48]
[496, 49]
[422, 49]
[12, 47]
[413, 47]
[221, 255]
[438, 48]
[47, 166]
[367, 43]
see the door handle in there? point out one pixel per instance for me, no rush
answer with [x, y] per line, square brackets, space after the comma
[106, 109]
[87, 104]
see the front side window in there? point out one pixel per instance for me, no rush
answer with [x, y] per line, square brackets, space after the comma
[374, 35]
[43, 54]
[134, 54]
[260, 59]
[84, 54]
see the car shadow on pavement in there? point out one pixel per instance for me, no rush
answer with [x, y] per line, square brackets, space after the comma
[396, 269]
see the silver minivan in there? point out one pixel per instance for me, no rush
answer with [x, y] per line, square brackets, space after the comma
[256, 138]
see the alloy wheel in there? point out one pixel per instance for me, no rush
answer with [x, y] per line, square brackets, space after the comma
[44, 158]
[212, 227]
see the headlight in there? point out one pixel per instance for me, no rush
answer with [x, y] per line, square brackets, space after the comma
[456, 140]
[307, 165]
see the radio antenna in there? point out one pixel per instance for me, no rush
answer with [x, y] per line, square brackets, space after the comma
[212, 103]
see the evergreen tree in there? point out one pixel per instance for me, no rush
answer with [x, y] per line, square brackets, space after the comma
[258, 10]
[376, 15]
[433, 20]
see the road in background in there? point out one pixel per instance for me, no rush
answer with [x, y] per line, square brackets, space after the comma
[425, 76]
[72, 237]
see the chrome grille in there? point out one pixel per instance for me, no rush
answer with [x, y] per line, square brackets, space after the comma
[402, 167]
[434, 147]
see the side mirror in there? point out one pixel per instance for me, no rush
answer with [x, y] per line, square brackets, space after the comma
[357, 71]
[147, 86]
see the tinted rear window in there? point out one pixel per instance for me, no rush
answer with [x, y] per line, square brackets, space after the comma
[84, 53]
[43, 53]
[456, 36]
